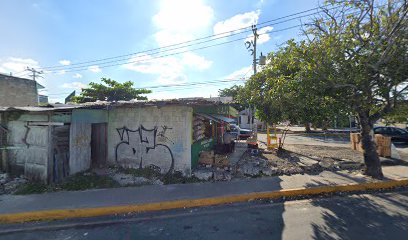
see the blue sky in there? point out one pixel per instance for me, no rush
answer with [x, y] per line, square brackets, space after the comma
[63, 34]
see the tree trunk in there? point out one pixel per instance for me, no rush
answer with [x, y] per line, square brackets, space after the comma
[307, 127]
[371, 159]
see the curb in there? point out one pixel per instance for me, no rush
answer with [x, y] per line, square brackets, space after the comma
[57, 214]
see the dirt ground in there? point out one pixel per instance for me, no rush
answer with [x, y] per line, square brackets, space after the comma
[336, 153]
[299, 159]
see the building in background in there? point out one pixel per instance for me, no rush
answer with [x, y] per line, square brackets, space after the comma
[42, 99]
[19, 92]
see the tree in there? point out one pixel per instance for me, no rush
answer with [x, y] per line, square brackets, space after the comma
[361, 57]
[230, 92]
[235, 93]
[355, 59]
[285, 89]
[112, 91]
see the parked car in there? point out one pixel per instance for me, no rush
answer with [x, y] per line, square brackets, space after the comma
[396, 134]
[240, 133]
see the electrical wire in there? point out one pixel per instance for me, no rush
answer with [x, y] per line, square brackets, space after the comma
[223, 35]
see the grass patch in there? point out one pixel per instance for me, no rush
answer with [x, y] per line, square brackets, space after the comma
[178, 177]
[86, 181]
[89, 180]
[80, 181]
[32, 188]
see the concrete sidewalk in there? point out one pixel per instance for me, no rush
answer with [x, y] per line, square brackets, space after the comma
[107, 198]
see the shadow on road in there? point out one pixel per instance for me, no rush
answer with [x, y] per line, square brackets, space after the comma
[349, 221]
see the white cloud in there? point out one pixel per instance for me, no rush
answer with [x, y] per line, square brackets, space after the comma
[177, 21]
[244, 72]
[180, 20]
[65, 62]
[263, 35]
[170, 69]
[183, 15]
[172, 78]
[236, 22]
[17, 65]
[74, 85]
[193, 60]
[94, 69]
[77, 75]
[166, 38]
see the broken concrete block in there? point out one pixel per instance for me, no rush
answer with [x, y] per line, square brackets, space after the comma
[203, 174]
[222, 176]
[308, 161]
[250, 169]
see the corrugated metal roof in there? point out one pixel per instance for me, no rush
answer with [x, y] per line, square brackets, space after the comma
[108, 105]
[34, 109]
[224, 119]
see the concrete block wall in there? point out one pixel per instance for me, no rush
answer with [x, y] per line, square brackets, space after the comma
[17, 92]
[151, 136]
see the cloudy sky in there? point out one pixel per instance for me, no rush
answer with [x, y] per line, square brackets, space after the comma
[152, 43]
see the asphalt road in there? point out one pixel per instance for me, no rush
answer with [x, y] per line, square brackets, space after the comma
[365, 216]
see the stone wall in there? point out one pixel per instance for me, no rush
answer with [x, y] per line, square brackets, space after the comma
[151, 136]
[17, 91]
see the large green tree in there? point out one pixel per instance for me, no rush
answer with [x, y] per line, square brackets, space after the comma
[354, 58]
[110, 91]
[361, 57]
[285, 90]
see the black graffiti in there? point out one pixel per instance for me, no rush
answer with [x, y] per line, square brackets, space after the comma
[148, 143]
[162, 133]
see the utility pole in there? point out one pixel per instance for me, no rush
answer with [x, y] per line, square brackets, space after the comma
[252, 50]
[34, 73]
[252, 44]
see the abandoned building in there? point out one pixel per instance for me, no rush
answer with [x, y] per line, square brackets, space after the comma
[50, 143]
[16, 91]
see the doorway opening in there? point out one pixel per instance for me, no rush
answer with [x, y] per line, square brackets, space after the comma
[98, 145]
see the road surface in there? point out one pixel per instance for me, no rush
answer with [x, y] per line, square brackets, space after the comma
[365, 216]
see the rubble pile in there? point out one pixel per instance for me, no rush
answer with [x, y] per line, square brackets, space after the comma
[10, 184]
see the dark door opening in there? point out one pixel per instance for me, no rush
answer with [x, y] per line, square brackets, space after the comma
[98, 144]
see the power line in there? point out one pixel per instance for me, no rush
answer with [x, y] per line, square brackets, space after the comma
[223, 34]
[171, 54]
[221, 81]
[34, 73]
[106, 64]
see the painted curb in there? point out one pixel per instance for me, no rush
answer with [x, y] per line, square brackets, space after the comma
[56, 214]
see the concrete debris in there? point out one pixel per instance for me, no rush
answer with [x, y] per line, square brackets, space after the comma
[308, 162]
[123, 179]
[250, 169]
[222, 176]
[3, 178]
[327, 163]
[269, 171]
[10, 185]
[128, 179]
[203, 174]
